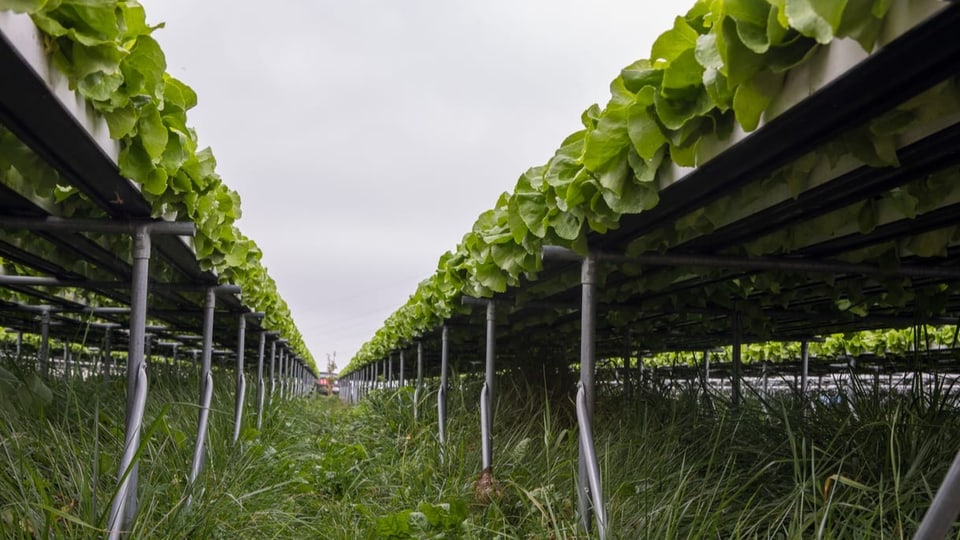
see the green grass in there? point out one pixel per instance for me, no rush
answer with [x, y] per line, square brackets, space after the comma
[671, 467]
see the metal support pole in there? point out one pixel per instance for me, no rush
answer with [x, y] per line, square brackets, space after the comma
[706, 370]
[293, 374]
[124, 508]
[362, 380]
[273, 367]
[442, 392]
[737, 342]
[804, 367]
[300, 376]
[390, 370]
[763, 385]
[368, 375]
[281, 373]
[589, 492]
[206, 385]
[627, 371]
[241, 379]
[376, 375]
[417, 389]
[261, 346]
[288, 374]
[402, 368]
[943, 511]
[287, 368]
[66, 360]
[44, 357]
[488, 390]
[107, 366]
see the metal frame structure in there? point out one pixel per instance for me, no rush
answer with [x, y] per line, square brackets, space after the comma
[629, 297]
[159, 280]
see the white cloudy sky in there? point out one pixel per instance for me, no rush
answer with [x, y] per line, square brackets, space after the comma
[366, 136]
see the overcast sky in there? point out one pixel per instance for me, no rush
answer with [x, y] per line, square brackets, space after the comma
[366, 136]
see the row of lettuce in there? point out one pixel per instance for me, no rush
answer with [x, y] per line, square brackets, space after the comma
[106, 50]
[721, 66]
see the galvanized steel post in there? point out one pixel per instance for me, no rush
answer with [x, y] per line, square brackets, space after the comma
[943, 511]
[206, 384]
[273, 366]
[107, 356]
[66, 360]
[805, 367]
[589, 493]
[124, 508]
[417, 389]
[280, 365]
[627, 359]
[241, 380]
[487, 393]
[442, 392]
[737, 359]
[390, 370]
[261, 348]
[44, 357]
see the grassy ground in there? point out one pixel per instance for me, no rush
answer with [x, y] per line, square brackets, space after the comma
[673, 466]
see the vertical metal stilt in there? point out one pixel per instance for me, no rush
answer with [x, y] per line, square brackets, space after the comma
[589, 492]
[943, 511]
[737, 359]
[283, 366]
[206, 385]
[261, 346]
[804, 368]
[273, 368]
[175, 359]
[44, 357]
[706, 370]
[123, 511]
[241, 379]
[627, 359]
[280, 364]
[417, 389]
[107, 366]
[301, 387]
[442, 392]
[66, 360]
[400, 378]
[390, 370]
[488, 391]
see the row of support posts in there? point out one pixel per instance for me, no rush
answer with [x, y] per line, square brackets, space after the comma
[936, 523]
[295, 378]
